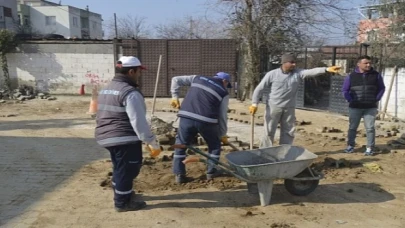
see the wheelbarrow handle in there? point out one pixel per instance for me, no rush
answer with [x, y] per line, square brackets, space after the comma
[226, 168]
[180, 146]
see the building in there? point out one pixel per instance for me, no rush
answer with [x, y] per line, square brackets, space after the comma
[377, 19]
[8, 14]
[45, 17]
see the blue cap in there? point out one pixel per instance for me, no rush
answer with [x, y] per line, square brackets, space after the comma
[224, 76]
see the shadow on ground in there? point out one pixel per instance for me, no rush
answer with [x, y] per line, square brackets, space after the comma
[345, 193]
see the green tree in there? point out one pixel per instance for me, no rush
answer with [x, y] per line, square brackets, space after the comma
[8, 43]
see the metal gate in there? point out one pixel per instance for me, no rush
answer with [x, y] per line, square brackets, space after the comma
[179, 57]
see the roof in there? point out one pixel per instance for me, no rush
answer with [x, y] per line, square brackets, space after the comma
[56, 4]
[378, 5]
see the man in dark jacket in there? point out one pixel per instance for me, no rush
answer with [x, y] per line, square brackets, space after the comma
[121, 129]
[363, 89]
[204, 110]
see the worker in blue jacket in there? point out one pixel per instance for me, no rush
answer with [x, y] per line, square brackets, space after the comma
[204, 110]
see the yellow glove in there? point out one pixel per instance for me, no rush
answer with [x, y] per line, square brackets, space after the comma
[333, 69]
[252, 109]
[154, 149]
[175, 103]
[224, 140]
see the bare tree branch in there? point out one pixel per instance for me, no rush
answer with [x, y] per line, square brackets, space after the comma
[192, 28]
[280, 25]
[129, 26]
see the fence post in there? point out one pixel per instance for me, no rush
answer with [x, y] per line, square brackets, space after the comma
[334, 56]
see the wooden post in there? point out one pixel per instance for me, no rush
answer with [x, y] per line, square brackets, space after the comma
[394, 75]
[156, 85]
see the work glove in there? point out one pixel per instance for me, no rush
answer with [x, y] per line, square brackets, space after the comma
[333, 69]
[224, 140]
[154, 149]
[253, 109]
[175, 103]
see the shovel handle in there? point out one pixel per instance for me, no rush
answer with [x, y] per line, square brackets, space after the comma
[252, 130]
[193, 159]
[232, 146]
[179, 146]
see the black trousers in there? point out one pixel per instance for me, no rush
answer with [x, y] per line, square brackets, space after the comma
[127, 163]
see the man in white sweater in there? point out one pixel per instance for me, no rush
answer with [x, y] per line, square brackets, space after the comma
[281, 86]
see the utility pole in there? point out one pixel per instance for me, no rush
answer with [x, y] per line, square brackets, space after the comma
[115, 22]
[191, 28]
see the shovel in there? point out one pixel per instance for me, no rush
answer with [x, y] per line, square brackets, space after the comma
[252, 130]
[265, 140]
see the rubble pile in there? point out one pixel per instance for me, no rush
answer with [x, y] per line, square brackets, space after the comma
[166, 135]
[165, 132]
[398, 143]
[25, 92]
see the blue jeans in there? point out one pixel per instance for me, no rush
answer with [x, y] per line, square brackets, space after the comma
[355, 115]
[186, 132]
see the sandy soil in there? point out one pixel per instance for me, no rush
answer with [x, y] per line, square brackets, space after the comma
[53, 174]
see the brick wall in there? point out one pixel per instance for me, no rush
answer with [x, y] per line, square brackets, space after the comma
[61, 68]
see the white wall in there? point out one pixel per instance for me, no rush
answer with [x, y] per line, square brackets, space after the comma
[7, 22]
[62, 68]
[75, 31]
[61, 13]
[396, 102]
[95, 33]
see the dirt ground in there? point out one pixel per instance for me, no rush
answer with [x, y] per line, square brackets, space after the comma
[53, 174]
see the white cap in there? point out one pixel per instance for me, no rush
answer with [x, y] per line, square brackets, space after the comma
[131, 61]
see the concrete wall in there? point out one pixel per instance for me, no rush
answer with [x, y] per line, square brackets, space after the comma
[95, 26]
[61, 68]
[9, 22]
[396, 102]
[75, 31]
[61, 13]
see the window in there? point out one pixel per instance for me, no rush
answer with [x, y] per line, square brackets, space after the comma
[372, 35]
[7, 12]
[50, 20]
[94, 25]
[75, 22]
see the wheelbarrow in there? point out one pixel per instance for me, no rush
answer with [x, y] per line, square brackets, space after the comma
[263, 166]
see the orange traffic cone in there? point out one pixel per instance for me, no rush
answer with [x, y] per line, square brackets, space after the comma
[93, 101]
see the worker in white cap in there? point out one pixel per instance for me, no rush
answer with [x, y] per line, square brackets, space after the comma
[122, 127]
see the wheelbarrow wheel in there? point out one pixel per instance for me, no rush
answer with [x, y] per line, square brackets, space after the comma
[300, 188]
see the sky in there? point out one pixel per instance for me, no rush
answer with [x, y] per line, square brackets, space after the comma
[158, 12]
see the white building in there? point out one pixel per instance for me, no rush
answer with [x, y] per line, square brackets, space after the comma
[46, 17]
[8, 14]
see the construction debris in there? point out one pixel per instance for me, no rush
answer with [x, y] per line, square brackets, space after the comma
[302, 123]
[24, 93]
[373, 167]
[329, 130]
[398, 143]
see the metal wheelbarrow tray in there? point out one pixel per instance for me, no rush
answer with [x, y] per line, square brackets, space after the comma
[264, 165]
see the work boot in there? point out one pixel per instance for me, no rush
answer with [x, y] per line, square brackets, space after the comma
[213, 174]
[131, 206]
[180, 179]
